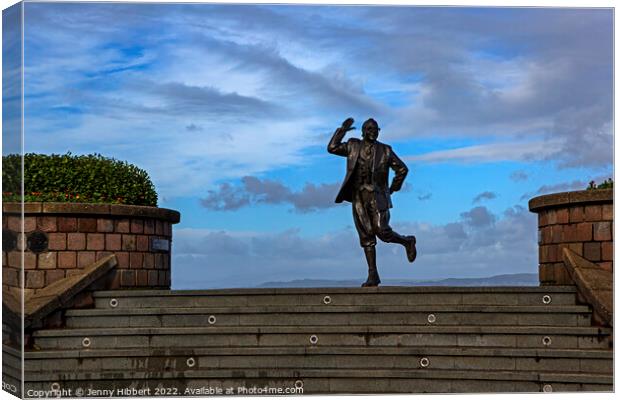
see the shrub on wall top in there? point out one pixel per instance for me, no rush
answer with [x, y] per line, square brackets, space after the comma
[69, 178]
[607, 184]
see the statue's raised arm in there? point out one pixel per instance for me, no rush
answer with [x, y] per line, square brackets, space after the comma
[335, 145]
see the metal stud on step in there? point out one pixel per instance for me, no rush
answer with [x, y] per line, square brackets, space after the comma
[546, 299]
[86, 342]
[314, 339]
[546, 341]
[55, 386]
[190, 362]
[424, 362]
[299, 384]
[113, 303]
[431, 318]
[547, 388]
[327, 300]
[211, 320]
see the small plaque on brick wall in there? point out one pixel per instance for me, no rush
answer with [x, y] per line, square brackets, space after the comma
[158, 244]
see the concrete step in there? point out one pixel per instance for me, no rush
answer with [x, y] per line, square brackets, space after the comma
[12, 384]
[387, 335]
[384, 295]
[331, 315]
[316, 381]
[326, 340]
[491, 359]
[12, 369]
[11, 361]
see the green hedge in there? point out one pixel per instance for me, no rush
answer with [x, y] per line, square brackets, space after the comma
[607, 184]
[69, 178]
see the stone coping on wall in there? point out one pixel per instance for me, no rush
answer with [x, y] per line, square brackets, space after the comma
[593, 283]
[42, 302]
[571, 199]
[164, 214]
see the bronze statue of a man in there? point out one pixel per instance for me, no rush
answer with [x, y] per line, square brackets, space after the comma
[366, 187]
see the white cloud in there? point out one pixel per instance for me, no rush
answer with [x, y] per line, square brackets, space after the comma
[487, 153]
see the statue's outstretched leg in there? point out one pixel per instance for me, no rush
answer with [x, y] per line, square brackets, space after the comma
[388, 235]
[373, 274]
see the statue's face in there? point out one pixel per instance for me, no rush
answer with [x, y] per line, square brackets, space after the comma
[370, 132]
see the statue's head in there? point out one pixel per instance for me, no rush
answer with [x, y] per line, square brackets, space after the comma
[370, 130]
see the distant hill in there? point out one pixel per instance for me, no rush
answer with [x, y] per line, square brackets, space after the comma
[497, 280]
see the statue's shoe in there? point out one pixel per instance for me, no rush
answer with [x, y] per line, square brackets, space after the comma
[411, 250]
[372, 281]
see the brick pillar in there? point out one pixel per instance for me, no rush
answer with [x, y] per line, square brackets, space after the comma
[581, 221]
[75, 235]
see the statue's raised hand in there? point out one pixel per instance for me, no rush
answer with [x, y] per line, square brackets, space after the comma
[347, 125]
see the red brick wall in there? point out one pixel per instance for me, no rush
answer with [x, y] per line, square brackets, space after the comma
[75, 241]
[580, 222]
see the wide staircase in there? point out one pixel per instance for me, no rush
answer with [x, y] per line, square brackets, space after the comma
[326, 340]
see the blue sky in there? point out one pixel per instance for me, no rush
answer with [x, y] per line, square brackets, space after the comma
[229, 108]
